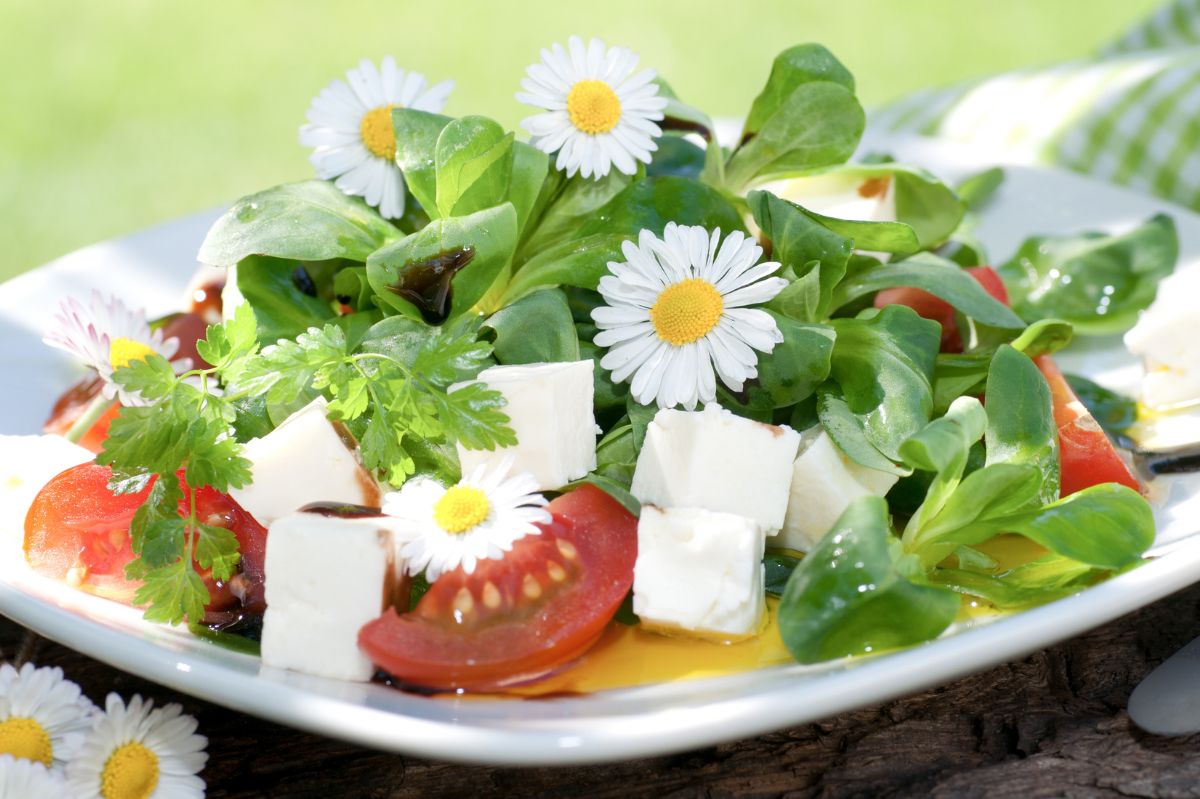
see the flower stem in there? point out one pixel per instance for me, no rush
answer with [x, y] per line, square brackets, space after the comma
[100, 405]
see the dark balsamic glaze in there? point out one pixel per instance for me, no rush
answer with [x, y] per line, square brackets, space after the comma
[304, 282]
[675, 123]
[426, 283]
[342, 510]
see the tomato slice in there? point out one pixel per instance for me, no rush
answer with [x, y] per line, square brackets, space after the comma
[521, 617]
[77, 530]
[932, 307]
[1086, 456]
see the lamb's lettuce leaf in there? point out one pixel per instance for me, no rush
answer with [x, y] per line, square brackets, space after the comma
[308, 221]
[858, 592]
[1097, 282]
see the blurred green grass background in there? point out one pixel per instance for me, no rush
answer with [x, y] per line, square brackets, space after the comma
[122, 113]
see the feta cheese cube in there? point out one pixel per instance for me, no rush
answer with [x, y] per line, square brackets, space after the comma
[27, 463]
[715, 460]
[824, 483]
[700, 571]
[1162, 338]
[325, 578]
[550, 410]
[306, 459]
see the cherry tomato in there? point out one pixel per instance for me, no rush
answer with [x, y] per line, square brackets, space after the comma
[1086, 456]
[77, 530]
[940, 311]
[520, 617]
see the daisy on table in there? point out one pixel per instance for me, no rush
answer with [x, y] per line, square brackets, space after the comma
[139, 752]
[598, 112]
[43, 716]
[106, 335]
[478, 518]
[350, 130]
[678, 314]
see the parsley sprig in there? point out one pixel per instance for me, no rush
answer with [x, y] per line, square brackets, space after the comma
[399, 400]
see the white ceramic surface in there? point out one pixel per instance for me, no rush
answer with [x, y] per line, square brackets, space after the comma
[153, 267]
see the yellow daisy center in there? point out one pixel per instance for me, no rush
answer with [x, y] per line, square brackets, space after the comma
[687, 311]
[593, 106]
[124, 351]
[378, 135]
[461, 508]
[130, 773]
[25, 739]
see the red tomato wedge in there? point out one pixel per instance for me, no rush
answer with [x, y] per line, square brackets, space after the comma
[517, 618]
[77, 530]
[1085, 454]
[940, 311]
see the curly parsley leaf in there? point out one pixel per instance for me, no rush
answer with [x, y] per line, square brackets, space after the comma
[172, 593]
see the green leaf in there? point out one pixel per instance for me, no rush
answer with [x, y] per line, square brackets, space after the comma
[309, 221]
[884, 367]
[794, 369]
[578, 263]
[236, 337]
[847, 430]
[676, 156]
[777, 569]
[791, 69]
[1114, 412]
[417, 135]
[161, 505]
[217, 549]
[975, 190]
[281, 309]
[927, 211]
[651, 203]
[572, 207]
[1030, 584]
[816, 255]
[801, 122]
[537, 328]
[173, 593]
[854, 593]
[616, 455]
[482, 244]
[152, 377]
[1020, 416]
[530, 167]
[929, 273]
[474, 158]
[1097, 282]
[382, 450]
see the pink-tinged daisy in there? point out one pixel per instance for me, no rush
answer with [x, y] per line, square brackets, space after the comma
[679, 307]
[350, 130]
[106, 335]
[139, 752]
[598, 112]
[439, 529]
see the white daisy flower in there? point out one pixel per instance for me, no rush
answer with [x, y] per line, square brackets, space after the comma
[480, 517]
[678, 308]
[599, 113]
[24, 779]
[43, 716]
[107, 335]
[137, 752]
[350, 130]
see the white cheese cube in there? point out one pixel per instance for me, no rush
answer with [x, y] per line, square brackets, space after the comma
[699, 571]
[27, 463]
[824, 483]
[325, 578]
[1163, 339]
[550, 410]
[306, 459]
[715, 460]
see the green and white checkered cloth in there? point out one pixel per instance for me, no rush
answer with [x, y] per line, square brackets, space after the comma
[1130, 115]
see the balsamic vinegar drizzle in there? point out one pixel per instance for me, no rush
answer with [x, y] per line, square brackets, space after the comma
[426, 283]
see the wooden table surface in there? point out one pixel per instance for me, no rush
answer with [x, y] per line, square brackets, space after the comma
[1053, 724]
